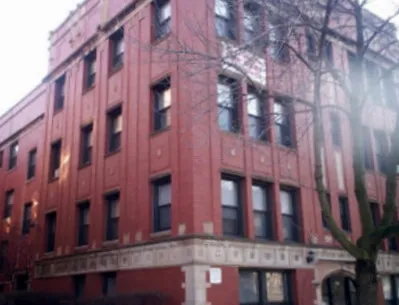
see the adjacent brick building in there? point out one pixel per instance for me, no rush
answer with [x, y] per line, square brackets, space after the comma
[121, 174]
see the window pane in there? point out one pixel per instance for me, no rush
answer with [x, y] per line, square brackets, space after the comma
[225, 96]
[249, 20]
[164, 194]
[230, 221]
[117, 124]
[164, 218]
[275, 287]
[229, 193]
[255, 128]
[165, 12]
[286, 203]
[288, 225]
[249, 287]
[222, 27]
[259, 198]
[222, 8]
[260, 224]
[279, 113]
[225, 119]
[386, 287]
[114, 209]
[166, 98]
[253, 105]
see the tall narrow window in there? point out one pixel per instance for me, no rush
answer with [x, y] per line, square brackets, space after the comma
[4, 247]
[282, 120]
[389, 88]
[163, 18]
[256, 116]
[381, 151]
[83, 223]
[227, 104]
[79, 282]
[114, 130]
[8, 203]
[328, 53]
[31, 164]
[368, 151]
[252, 23]
[1, 158]
[162, 105]
[51, 224]
[86, 144]
[262, 215]
[117, 49]
[27, 218]
[231, 207]
[90, 70]
[373, 83]
[225, 19]
[375, 212]
[345, 215]
[55, 159]
[289, 215]
[59, 97]
[311, 44]
[112, 217]
[278, 39]
[12, 161]
[325, 226]
[336, 130]
[353, 70]
[162, 204]
[109, 284]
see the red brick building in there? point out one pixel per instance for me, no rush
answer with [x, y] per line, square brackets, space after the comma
[120, 174]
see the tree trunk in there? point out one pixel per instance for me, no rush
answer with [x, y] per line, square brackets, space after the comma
[366, 282]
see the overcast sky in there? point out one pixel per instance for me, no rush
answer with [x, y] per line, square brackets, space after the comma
[24, 32]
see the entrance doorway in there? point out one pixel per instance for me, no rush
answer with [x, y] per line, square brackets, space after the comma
[339, 289]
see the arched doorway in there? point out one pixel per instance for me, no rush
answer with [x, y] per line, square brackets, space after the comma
[338, 289]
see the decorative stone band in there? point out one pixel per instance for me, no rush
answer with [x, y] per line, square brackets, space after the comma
[202, 252]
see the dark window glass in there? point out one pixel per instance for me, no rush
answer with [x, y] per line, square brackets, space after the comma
[109, 284]
[256, 116]
[311, 45]
[87, 144]
[289, 215]
[21, 282]
[262, 212]
[325, 226]
[345, 215]
[12, 161]
[265, 287]
[59, 97]
[55, 159]
[162, 105]
[225, 19]
[8, 203]
[1, 158]
[381, 151]
[27, 219]
[328, 53]
[3, 255]
[253, 24]
[114, 130]
[231, 207]
[31, 164]
[368, 151]
[83, 223]
[79, 282]
[162, 204]
[112, 218]
[278, 36]
[227, 100]
[393, 243]
[163, 18]
[336, 130]
[282, 121]
[375, 212]
[90, 70]
[389, 88]
[117, 49]
[51, 223]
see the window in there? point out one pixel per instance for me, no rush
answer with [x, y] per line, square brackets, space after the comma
[282, 120]
[9, 201]
[278, 38]
[368, 151]
[375, 212]
[21, 282]
[87, 145]
[117, 49]
[252, 24]
[162, 204]
[163, 18]
[1, 158]
[353, 71]
[12, 161]
[231, 206]
[55, 159]
[51, 222]
[79, 282]
[227, 104]
[381, 151]
[90, 70]
[114, 130]
[262, 213]
[3, 255]
[328, 53]
[162, 105]
[258, 287]
[325, 226]
[112, 218]
[311, 45]
[109, 284]
[83, 223]
[373, 83]
[289, 215]
[336, 130]
[345, 215]
[256, 116]
[59, 97]
[389, 88]
[27, 218]
[225, 19]
[390, 287]
[392, 243]
[31, 164]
